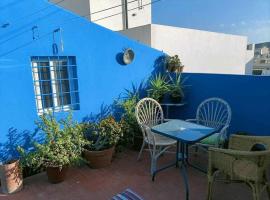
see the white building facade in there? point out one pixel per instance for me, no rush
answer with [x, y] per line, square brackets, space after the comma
[200, 51]
[113, 14]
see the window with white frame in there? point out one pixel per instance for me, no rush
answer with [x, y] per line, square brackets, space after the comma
[55, 83]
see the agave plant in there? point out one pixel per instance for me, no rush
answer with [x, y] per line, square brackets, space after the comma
[176, 88]
[158, 87]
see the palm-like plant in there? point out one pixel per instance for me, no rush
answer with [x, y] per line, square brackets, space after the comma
[176, 88]
[158, 87]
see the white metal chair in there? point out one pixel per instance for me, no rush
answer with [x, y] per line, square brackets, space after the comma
[148, 114]
[215, 113]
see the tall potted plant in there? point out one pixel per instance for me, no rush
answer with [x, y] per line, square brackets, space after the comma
[158, 87]
[102, 137]
[173, 64]
[62, 147]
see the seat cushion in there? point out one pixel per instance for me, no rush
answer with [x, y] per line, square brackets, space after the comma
[245, 170]
[212, 140]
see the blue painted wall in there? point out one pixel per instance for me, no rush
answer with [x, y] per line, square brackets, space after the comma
[248, 96]
[101, 78]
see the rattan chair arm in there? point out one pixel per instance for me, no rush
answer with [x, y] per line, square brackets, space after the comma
[244, 142]
[238, 153]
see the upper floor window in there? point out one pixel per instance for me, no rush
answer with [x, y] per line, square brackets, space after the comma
[55, 83]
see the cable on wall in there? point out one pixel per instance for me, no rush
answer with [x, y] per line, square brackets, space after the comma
[47, 34]
[28, 30]
[7, 24]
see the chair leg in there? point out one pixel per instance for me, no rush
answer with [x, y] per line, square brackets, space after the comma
[256, 192]
[140, 154]
[196, 151]
[210, 188]
[153, 165]
[268, 191]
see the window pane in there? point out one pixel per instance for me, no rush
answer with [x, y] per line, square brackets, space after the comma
[66, 99]
[43, 64]
[44, 73]
[75, 97]
[72, 60]
[47, 101]
[73, 85]
[63, 72]
[73, 72]
[46, 87]
[65, 86]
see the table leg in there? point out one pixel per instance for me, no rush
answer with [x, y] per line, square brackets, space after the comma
[177, 154]
[183, 169]
[176, 163]
[167, 112]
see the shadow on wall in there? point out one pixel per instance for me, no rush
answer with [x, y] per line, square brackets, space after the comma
[25, 138]
[159, 65]
[139, 90]
[15, 138]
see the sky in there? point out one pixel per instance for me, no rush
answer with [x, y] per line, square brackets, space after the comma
[242, 17]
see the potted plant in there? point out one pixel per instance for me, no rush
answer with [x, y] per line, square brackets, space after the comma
[102, 137]
[176, 88]
[11, 176]
[158, 87]
[62, 147]
[173, 64]
[132, 134]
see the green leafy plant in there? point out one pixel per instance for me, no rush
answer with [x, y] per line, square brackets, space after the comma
[174, 64]
[130, 127]
[62, 146]
[102, 135]
[158, 87]
[176, 87]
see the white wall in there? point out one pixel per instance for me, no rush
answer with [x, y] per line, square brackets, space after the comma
[136, 16]
[200, 51]
[141, 34]
[250, 60]
[113, 23]
[81, 7]
[139, 17]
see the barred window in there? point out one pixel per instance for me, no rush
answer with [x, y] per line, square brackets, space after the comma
[55, 83]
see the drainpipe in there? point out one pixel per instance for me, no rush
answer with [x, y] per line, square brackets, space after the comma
[125, 14]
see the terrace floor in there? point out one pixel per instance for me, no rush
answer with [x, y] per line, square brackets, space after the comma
[125, 172]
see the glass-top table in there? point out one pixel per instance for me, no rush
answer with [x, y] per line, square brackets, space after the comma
[186, 133]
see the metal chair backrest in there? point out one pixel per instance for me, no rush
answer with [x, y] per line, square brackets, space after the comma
[214, 112]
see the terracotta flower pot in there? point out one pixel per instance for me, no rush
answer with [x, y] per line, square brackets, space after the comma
[99, 159]
[57, 174]
[11, 177]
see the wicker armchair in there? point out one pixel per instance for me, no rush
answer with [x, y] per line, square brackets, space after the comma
[239, 164]
[149, 113]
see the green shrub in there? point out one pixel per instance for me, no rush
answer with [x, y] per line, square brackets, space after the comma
[63, 143]
[102, 135]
